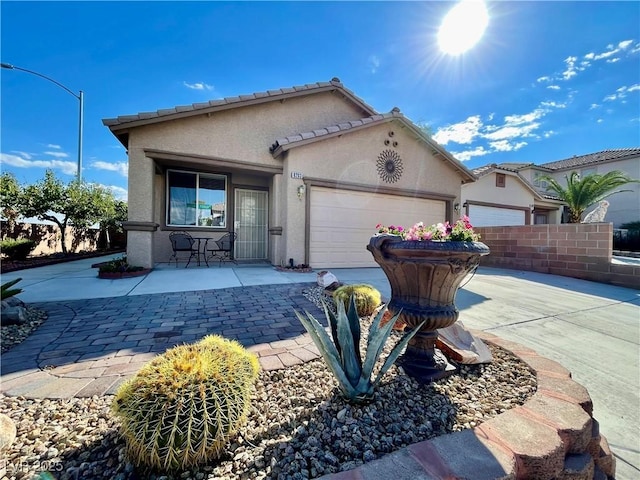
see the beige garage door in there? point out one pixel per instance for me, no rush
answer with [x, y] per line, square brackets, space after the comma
[342, 221]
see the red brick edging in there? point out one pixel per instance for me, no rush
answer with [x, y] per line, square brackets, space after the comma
[552, 436]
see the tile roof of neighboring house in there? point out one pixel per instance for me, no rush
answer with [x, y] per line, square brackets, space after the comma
[285, 143]
[591, 158]
[126, 121]
[486, 169]
[512, 168]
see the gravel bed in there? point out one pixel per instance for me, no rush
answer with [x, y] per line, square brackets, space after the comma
[12, 335]
[298, 427]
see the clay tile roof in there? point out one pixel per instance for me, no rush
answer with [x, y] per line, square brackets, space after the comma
[290, 141]
[592, 158]
[126, 121]
[321, 132]
[484, 170]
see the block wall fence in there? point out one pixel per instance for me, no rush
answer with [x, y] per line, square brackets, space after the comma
[574, 250]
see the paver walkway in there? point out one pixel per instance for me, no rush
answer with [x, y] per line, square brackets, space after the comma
[89, 347]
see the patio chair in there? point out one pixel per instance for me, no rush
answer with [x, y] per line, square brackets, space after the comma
[183, 242]
[222, 249]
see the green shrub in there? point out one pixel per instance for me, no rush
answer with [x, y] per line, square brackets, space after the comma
[366, 297]
[182, 408]
[118, 265]
[6, 291]
[17, 249]
[343, 354]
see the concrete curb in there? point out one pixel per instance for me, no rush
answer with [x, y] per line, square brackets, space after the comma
[553, 436]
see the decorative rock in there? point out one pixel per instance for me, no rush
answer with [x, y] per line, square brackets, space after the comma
[13, 302]
[457, 343]
[8, 432]
[14, 315]
[326, 278]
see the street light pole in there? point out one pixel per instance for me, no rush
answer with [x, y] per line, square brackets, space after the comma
[80, 98]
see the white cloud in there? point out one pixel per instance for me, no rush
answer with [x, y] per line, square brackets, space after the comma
[505, 146]
[463, 132]
[574, 65]
[599, 120]
[553, 87]
[548, 133]
[476, 152]
[51, 145]
[118, 192]
[57, 154]
[622, 92]
[198, 86]
[374, 63]
[120, 167]
[509, 132]
[68, 168]
[505, 137]
[594, 106]
[554, 104]
[24, 155]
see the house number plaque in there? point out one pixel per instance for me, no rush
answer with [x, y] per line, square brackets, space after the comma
[297, 175]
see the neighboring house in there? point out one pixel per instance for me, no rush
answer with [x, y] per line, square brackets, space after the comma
[502, 197]
[505, 192]
[623, 207]
[301, 174]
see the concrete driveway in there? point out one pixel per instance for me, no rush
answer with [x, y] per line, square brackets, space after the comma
[592, 329]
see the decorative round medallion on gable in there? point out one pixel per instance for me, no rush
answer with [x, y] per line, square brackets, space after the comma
[389, 166]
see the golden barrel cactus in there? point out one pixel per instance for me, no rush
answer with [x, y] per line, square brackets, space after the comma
[366, 297]
[183, 407]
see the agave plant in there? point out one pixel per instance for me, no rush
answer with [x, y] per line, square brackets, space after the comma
[7, 291]
[343, 353]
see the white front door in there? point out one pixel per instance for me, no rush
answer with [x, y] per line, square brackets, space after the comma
[251, 224]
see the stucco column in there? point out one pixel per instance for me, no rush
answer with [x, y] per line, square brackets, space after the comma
[276, 221]
[140, 226]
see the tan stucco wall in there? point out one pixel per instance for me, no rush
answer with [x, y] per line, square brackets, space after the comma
[514, 193]
[245, 133]
[350, 160]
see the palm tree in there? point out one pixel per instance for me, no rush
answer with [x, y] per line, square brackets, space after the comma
[581, 193]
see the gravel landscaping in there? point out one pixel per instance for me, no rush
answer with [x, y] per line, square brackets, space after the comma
[298, 426]
[12, 335]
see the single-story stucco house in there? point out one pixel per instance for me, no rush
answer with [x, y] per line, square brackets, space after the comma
[300, 174]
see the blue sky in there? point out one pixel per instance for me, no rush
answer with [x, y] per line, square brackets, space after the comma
[547, 81]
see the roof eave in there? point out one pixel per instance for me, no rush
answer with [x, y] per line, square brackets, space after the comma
[115, 124]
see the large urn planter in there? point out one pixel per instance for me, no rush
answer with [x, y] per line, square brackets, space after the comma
[424, 278]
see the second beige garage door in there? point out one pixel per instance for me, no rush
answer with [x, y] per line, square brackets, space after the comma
[342, 221]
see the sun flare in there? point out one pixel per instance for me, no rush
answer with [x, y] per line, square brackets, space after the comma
[463, 26]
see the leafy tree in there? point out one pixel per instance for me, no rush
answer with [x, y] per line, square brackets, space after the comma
[113, 223]
[81, 204]
[10, 193]
[582, 192]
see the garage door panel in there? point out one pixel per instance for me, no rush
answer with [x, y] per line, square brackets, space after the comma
[342, 221]
[482, 216]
